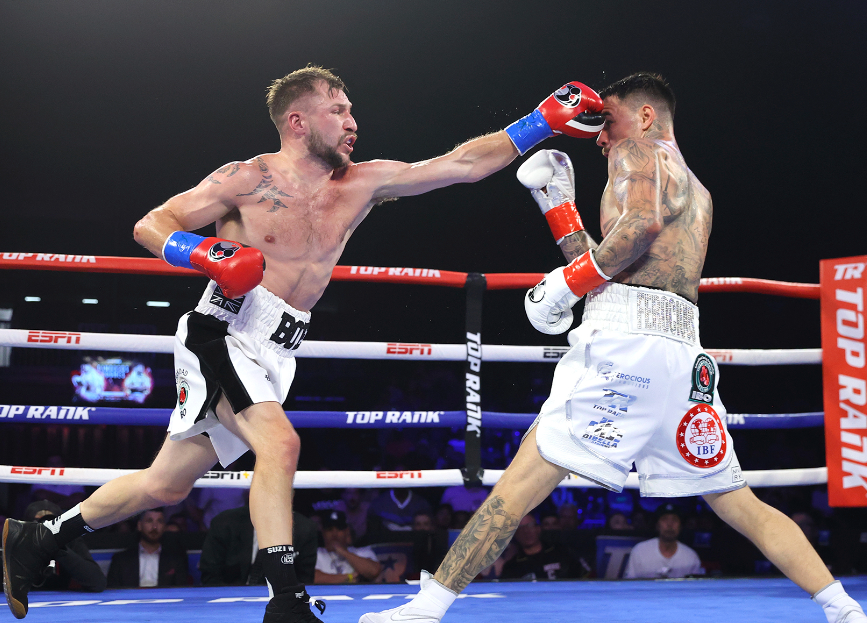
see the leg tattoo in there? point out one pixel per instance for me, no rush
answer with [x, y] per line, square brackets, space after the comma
[480, 543]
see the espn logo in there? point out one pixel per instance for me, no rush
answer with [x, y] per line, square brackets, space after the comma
[38, 471]
[226, 476]
[399, 348]
[53, 337]
[388, 475]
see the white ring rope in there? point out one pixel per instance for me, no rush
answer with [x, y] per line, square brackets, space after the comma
[74, 340]
[342, 479]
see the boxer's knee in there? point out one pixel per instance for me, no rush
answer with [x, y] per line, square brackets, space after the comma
[163, 492]
[282, 448]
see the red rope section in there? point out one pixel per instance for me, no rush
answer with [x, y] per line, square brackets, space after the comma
[378, 274]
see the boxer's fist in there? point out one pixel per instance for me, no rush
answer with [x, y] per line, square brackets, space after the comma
[236, 268]
[549, 176]
[574, 109]
[549, 304]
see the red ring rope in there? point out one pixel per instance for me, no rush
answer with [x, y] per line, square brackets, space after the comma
[379, 274]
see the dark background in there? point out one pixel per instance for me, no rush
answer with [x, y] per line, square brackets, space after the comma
[110, 108]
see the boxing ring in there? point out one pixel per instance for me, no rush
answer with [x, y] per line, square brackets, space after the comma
[555, 601]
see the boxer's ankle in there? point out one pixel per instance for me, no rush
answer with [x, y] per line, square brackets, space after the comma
[837, 605]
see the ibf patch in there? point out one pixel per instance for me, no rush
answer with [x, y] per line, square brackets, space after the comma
[703, 376]
[221, 300]
[701, 438]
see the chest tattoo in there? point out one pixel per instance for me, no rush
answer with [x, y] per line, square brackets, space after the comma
[268, 190]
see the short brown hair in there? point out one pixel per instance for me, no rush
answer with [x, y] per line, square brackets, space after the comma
[284, 91]
[649, 87]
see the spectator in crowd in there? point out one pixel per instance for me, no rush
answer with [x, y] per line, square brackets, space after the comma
[211, 501]
[443, 517]
[423, 522]
[229, 553]
[664, 556]
[569, 519]
[74, 568]
[463, 498]
[339, 562]
[806, 521]
[550, 521]
[534, 560]
[618, 521]
[460, 519]
[150, 562]
[395, 509]
[353, 504]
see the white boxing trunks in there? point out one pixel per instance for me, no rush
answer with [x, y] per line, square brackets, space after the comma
[243, 348]
[637, 386]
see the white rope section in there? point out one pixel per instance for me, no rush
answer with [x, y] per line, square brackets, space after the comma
[343, 479]
[73, 340]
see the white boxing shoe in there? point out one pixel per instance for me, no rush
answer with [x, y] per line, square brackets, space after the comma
[429, 606]
[838, 606]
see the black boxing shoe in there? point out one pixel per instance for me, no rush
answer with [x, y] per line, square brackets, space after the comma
[293, 607]
[28, 547]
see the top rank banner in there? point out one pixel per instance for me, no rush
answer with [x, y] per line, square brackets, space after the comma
[844, 282]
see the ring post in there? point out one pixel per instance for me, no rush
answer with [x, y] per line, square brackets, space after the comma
[472, 472]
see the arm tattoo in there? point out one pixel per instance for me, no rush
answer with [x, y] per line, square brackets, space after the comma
[636, 182]
[232, 168]
[270, 193]
[576, 244]
[479, 545]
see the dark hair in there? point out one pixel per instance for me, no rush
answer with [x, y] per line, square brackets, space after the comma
[651, 88]
[158, 509]
[284, 91]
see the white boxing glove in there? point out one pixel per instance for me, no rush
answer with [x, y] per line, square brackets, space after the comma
[549, 304]
[551, 179]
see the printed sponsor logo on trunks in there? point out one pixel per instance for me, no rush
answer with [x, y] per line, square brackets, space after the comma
[393, 417]
[703, 373]
[395, 271]
[221, 300]
[399, 475]
[474, 408]
[701, 438]
[53, 337]
[51, 257]
[614, 401]
[737, 475]
[41, 413]
[606, 370]
[399, 348]
[38, 471]
[291, 332]
[603, 433]
[554, 352]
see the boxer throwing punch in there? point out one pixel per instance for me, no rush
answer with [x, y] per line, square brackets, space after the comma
[636, 356]
[282, 221]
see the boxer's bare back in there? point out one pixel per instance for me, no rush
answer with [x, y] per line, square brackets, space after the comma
[650, 188]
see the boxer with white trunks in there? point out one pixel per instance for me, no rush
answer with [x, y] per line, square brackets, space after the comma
[636, 385]
[294, 209]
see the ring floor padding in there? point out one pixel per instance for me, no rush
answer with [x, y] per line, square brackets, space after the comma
[755, 600]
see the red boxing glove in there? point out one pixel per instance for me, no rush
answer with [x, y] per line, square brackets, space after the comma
[575, 110]
[237, 269]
